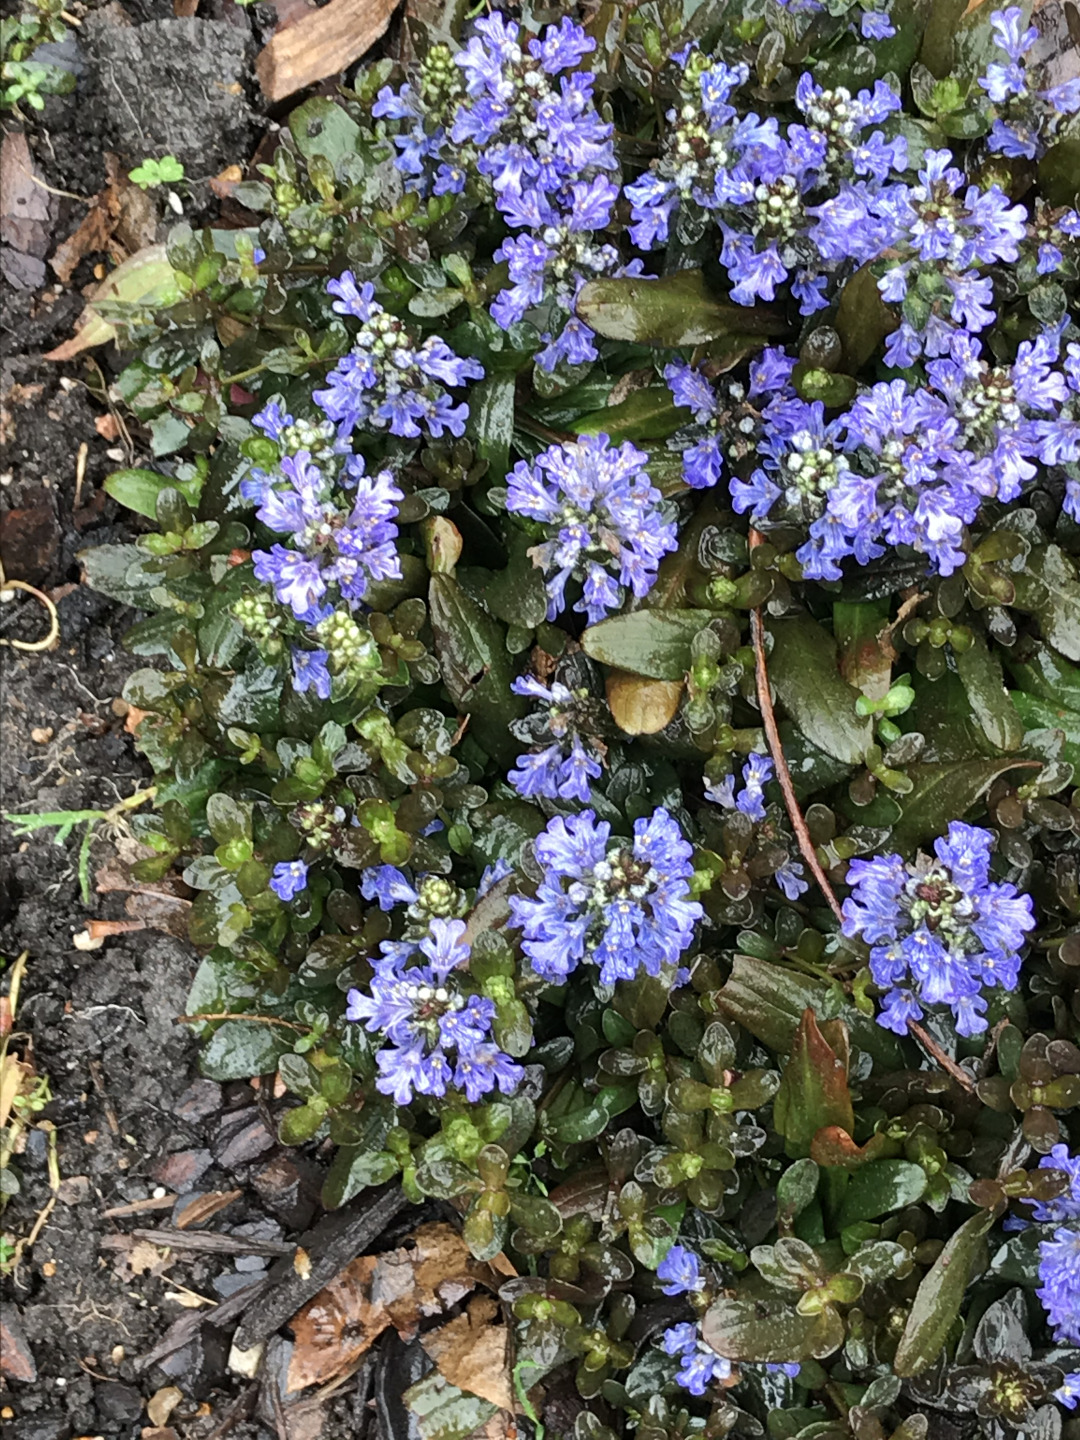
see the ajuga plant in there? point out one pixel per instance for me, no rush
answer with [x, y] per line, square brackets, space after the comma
[613, 679]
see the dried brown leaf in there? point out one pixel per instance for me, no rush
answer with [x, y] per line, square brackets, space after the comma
[373, 1292]
[639, 706]
[321, 44]
[472, 1352]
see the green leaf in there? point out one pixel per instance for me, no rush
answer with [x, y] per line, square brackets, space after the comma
[864, 662]
[984, 683]
[440, 1411]
[945, 792]
[1043, 715]
[1048, 677]
[770, 1332]
[1058, 172]
[863, 320]
[1047, 587]
[491, 423]
[241, 1049]
[880, 1188]
[518, 594]
[803, 668]
[653, 643]
[476, 669]
[323, 127]
[675, 310]
[354, 1169]
[139, 489]
[937, 1302]
[120, 572]
[813, 1089]
[768, 1000]
[145, 282]
[646, 414]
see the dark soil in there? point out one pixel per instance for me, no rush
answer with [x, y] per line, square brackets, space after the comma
[89, 1301]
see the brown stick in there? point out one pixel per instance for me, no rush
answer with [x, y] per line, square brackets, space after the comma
[783, 774]
[929, 1044]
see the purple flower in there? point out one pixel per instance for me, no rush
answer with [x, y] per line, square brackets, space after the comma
[387, 382]
[1064, 1207]
[310, 672]
[438, 1032]
[757, 772]
[565, 768]
[1059, 1272]
[336, 542]
[940, 930]
[624, 907]
[602, 515]
[288, 879]
[1068, 1393]
[699, 1365]
[680, 1271]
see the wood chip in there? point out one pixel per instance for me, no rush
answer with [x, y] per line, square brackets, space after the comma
[204, 1206]
[321, 44]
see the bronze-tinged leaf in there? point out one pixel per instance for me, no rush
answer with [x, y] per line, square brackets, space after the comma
[833, 1147]
[865, 659]
[472, 1351]
[804, 669]
[676, 309]
[640, 706]
[813, 1090]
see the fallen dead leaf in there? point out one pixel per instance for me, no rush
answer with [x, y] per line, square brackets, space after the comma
[639, 706]
[162, 1403]
[184, 9]
[472, 1352]
[107, 427]
[321, 44]
[374, 1292]
[224, 184]
[141, 1258]
[133, 719]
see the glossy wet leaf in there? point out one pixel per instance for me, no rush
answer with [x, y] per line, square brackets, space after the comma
[863, 320]
[653, 643]
[803, 669]
[768, 1000]
[865, 660]
[471, 647]
[983, 680]
[320, 127]
[879, 1188]
[1047, 587]
[813, 1089]
[675, 310]
[1039, 714]
[646, 414]
[770, 1332]
[491, 422]
[940, 1295]
[945, 792]
[239, 1049]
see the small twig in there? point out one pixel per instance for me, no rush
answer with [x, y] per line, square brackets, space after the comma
[783, 774]
[94, 1067]
[138, 1207]
[80, 473]
[6, 588]
[931, 1046]
[239, 1015]
[911, 603]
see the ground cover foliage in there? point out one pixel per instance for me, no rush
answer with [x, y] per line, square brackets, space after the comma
[613, 634]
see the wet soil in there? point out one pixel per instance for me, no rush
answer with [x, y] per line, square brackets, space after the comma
[130, 1126]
